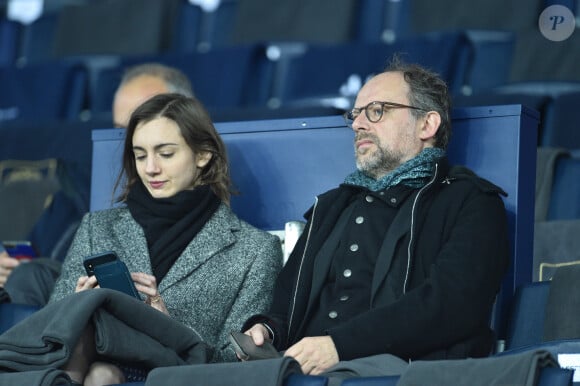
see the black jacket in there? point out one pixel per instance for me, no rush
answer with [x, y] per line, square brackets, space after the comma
[432, 295]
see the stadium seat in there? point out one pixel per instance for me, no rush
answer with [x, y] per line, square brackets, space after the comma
[490, 60]
[557, 226]
[526, 320]
[381, 21]
[543, 316]
[201, 28]
[51, 90]
[549, 376]
[445, 53]
[79, 28]
[561, 121]
[37, 41]
[220, 77]
[565, 193]
[10, 32]
[10, 314]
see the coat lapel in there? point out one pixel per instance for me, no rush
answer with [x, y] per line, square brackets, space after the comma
[211, 239]
[131, 243]
[399, 227]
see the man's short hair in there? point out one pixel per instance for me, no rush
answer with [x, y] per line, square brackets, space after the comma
[177, 82]
[428, 91]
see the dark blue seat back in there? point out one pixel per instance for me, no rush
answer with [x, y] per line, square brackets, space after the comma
[526, 320]
[52, 90]
[37, 37]
[199, 29]
[380, 20]
[565, 194]
[10, 32]
[10, 314]
[503, 150]
[220, 77]
[445, 53]
[561, 121]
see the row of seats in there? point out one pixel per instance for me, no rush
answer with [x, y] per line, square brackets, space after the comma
[188, 25]
[262, 74]
[557, 212]
[555, 101]
[180, 26]
[250, 87]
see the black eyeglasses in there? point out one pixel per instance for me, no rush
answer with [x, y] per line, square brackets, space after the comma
[374, 111]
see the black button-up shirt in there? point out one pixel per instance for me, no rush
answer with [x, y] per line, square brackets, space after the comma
[346, 292]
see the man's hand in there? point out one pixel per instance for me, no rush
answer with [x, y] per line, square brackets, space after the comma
[259, 335]
[7, 264]
[315, 354]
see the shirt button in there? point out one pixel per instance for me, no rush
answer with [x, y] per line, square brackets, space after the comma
[359, 220]
[332, 314]
[382, 193]
[347, 273]
[354, 247]
[344, 298]
[393, 200]
[369, 198]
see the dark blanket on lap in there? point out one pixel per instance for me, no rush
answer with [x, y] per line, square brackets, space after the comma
[126, 330]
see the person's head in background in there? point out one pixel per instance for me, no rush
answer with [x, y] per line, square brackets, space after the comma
[171, 145]
[141, 82]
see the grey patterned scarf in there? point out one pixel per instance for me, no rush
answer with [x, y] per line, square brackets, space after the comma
[414, 173]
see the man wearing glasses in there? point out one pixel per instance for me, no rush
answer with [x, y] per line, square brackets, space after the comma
[404, 259]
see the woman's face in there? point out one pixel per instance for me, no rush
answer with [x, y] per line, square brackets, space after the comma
[164, 161]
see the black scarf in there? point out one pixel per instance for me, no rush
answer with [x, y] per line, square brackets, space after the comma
[170, 223]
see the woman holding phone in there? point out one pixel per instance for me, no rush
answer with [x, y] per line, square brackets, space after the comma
[188, 254]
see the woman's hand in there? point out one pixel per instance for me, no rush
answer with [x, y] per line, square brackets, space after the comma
[147, 285]
[85, 282]
[7, 264]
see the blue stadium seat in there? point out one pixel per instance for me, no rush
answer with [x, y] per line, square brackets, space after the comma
[199, 29]
[561, 121]
[221, 77]
[10, 32]
[490, 60]
[565, 194]
[52, 90]
[37, 41]
[526, 323]
[381, 21]
[549, 376]
[10, 314]
[310, 74]
[79, 29]
[543, 316]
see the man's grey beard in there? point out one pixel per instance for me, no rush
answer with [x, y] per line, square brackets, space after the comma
[379, 162]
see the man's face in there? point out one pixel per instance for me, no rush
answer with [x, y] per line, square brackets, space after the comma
[134, 93]
[396, 138]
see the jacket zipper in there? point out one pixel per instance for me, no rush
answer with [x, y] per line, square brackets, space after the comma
[411, 238]
[300, 268]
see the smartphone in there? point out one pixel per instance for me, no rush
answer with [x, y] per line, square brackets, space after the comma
[247, 350]
[111, 272]
[19, 249]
